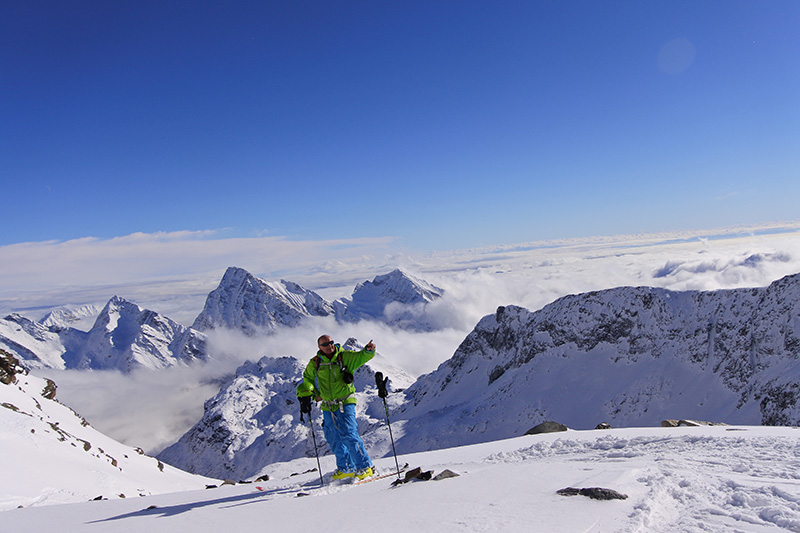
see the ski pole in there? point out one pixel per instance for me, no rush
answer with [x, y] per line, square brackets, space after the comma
[383, 393]
[314, 439]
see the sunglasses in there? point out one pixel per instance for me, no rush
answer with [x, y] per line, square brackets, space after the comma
[329, 343]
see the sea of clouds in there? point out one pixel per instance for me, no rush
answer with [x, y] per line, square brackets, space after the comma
[173, 273]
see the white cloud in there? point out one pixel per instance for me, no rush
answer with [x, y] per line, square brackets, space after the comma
[162, 267]
[160, 406]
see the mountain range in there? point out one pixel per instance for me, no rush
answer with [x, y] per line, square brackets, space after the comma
[629, 356]
[125, 336]
[247, 303]
[625, 356]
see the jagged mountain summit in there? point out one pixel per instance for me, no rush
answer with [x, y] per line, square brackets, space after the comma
[250, 304]
[64, 317]
[124, 337]
[630, 356]
[243, 301]
[396, 298]
[52, 455]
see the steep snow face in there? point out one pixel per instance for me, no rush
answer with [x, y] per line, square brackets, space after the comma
[396, 298]
[627, 356]
[126, 337]
[249, 424]
[33, 344]
[243, 301]
[52, 455]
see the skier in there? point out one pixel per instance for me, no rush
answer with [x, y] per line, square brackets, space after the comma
[328, 378]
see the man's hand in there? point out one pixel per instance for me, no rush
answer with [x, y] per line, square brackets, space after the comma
[370, 347]
[305, 404]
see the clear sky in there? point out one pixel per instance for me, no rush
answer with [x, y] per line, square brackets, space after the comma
[442, 124]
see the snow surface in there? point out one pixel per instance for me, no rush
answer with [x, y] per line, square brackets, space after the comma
[676, 479]
[49, 454]
[31, 341]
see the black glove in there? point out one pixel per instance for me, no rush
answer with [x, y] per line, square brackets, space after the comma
[380, 382]
[305, 404]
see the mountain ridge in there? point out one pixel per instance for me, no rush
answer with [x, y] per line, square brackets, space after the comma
[627, 356]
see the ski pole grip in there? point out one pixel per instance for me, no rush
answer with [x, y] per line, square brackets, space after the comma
[380, 382]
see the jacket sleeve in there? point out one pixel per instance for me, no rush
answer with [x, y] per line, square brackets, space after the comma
[354, 360]
[309, 378]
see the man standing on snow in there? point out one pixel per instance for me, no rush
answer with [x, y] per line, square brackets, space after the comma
[328, 378]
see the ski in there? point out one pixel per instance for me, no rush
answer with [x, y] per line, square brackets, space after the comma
[382, 476]
[344, 482]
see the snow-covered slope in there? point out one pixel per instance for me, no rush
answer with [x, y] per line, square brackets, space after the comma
[81, 317]
[247, 425]
[126, 337]
[247, 303]
[254, 420]
[396, 298]
[626, 356]
[50, 454]
[690, 479]
[33, 343]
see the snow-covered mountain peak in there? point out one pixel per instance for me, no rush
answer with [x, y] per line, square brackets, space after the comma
[397, 298]
[397, 286]
[80, 318]
[245, 302]
[125, 337]
[628, 356]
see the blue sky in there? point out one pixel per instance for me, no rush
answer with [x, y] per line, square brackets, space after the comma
[439, 124]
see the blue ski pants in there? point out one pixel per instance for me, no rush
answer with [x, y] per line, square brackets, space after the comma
[341, 432]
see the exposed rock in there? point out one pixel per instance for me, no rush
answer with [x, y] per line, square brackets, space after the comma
[9, 367]
[603, 425]
[444, 474]
[49, 390]
[596, 493]
[672, 423]
[546, 427]
[415, 474]
[696, 423]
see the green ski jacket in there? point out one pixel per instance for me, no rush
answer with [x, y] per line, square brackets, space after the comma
[323, 377]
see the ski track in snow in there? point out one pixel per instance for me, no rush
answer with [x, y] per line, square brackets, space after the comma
[753, 480]
[695, 479]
